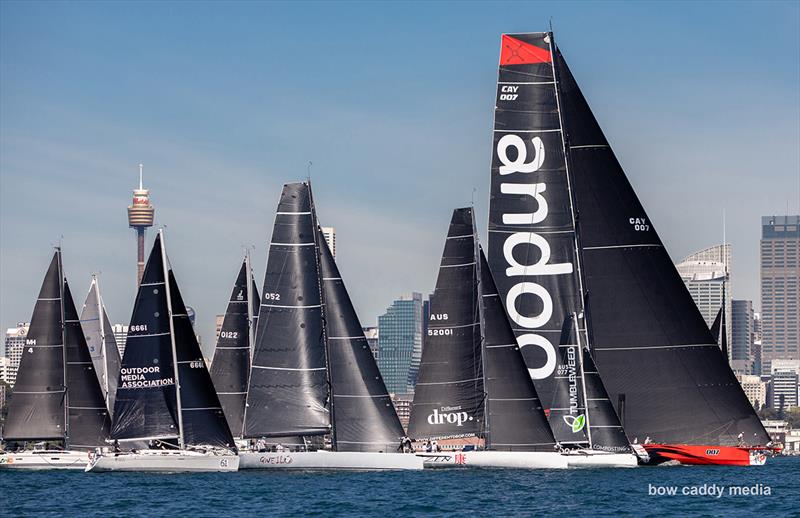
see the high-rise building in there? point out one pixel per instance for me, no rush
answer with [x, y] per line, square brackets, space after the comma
[754, 388]
[5, 366]
[120, 336]
[218, 327]
[707, 276]
[400, 343]
[784, 384]
[140, 216]
[330, 238]
[741, 344]
[371, 334]
[780, 289]
[15, 341]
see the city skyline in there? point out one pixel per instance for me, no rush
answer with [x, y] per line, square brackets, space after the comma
[396, 144]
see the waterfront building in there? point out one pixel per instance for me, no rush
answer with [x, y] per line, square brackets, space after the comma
[14, 343]
[402, 405]
[330, 238]
[741, 344]
[707, 277]
[120, 336]
[780, 289]
[754, 388]
[400, 343]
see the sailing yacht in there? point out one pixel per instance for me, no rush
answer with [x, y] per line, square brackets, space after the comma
[101, 343]
[473, 382]
[231, 364]
[567, 234]
[57, 396]
[313, 373]
[165, 397]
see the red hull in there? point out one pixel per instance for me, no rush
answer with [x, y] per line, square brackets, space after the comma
[720, 455]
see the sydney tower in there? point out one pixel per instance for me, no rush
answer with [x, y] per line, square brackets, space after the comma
[140, 216]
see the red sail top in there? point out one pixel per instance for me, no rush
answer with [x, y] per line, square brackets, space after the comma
[516, 52]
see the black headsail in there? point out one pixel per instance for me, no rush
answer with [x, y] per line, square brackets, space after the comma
[231, 365]
[532, 251]
[146, 405]
[36, 410]
[101, 342]
[448, 400]
[650, 343]
[288, 387]
[364, 418]
[203, 419]
[89, 420]
[582, 414]
[515, 420]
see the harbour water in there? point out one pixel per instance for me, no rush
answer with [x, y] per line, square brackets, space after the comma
[599, 492]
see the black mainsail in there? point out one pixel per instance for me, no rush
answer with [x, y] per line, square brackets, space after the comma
[87, 414]
[532, 234]
[364, 418]
[649, 341]
[161, 354]
[449, 396]
[231, 364]
[515, 419]
[287, 391]
[101, 343]
[36, 410]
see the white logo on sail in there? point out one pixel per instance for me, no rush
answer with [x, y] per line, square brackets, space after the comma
[542, 266]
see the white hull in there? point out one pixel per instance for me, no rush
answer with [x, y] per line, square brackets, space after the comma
[169, 461]
[495, 459]
[32, 459]
[334, 460]
[600, 459]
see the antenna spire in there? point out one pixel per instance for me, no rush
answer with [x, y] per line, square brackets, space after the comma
[141, 166]
[308, 171]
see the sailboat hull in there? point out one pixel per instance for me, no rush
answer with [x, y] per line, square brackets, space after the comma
[165, 461]
[495, 459]
[32, 459]
[705, 455]
[329, 460]
[600, 459]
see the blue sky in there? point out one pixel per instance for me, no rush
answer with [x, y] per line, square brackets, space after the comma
[393, 103]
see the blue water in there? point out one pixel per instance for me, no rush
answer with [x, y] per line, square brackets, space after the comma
[575, 493]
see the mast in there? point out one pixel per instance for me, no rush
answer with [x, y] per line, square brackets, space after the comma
[482, 320]
[251, 332]
[583, 377]
[317, 231]
[63, 347]
[172, 341]
[575, 223]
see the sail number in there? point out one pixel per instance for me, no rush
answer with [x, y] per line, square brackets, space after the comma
[639, 224]
[138, 327]
[272, 296]
[197, 364]
[509, 93]
[440, 332]
[229, 334]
